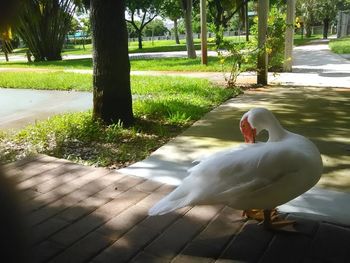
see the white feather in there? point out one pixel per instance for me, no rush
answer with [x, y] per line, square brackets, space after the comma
[261, 175]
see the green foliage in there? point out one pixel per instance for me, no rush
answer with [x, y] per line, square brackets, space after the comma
[144, 11]
[155, 28]
[165, 107]
[43, 26]
[171, 9]
[46, 80]
[340, 46]
[220, 13]
[275, 38]
[235, 58]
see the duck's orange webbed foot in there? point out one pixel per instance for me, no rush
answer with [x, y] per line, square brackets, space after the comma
[258, 214]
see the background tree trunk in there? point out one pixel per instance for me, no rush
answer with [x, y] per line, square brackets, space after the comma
[187, 10]
[289, 36]
[263, 10]
[176, 32]
[325, 28]
[111, 66]
[139, 38]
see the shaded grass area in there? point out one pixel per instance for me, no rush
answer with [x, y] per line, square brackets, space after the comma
[340, 46]
[167, 105]
[299, 41]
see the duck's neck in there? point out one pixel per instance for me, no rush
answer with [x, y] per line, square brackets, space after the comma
[275, 130]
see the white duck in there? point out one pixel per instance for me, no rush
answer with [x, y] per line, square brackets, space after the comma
[251, 176]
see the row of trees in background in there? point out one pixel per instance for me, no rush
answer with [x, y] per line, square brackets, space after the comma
[44, 24]
[317, 12]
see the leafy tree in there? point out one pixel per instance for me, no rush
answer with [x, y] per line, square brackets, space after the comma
[221, 12]
[327, 11]
[111, 65]
[314, 11]
[172, 10]
[43, 25]
[307, 10]
[145, 10]
[156, 28]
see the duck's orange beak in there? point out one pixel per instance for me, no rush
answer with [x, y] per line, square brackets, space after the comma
[248, 132]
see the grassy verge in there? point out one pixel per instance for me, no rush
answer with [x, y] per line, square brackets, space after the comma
[299, 41]
[167, 107]
[159, 64]
[340, 46]
[46, 80]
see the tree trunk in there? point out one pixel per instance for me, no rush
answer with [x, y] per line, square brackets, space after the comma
[289, 36]
[111, 66]
[246, 21]
[325, 28]
[176, 32]
[308, 30]
[204, 48]
[187, 10]
[263, 10]
[139, 37]
[4, 49]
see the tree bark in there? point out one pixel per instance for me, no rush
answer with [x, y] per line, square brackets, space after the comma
[176, 32]
[187, 10]
[325, 28]
[139, 38]
[111, 67]
[263, 10]
[204, 48]
[246, 21]
[289, 36]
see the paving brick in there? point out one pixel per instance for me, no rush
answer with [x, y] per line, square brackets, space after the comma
[37, 167]
[42, 231]
[83, 208]
[45, 250]
[291, 248]
[65, 189]
[83, 250]
[123, 222]
[192, 259]
[127, 246]
[144, 257]
[177, 235]
[249, 244]
[210, 243]
[73, 199]
[148, 186]
[330, 244]
[94, 220]
[121, 202]
[121, 186]
[159, 223]
[56, 174]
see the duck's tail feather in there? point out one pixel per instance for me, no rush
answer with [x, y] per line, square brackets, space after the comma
[167, 205]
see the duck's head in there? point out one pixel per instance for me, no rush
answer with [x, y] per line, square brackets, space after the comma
[254, 121]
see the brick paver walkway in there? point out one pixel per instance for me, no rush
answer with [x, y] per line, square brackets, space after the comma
[84, 214]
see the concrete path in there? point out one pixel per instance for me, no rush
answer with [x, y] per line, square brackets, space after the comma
[20, 107]
[318, 113]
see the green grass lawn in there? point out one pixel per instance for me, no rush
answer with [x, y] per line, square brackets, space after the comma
[167, 106]
[340, 46]
[161, 64]
[299, 41]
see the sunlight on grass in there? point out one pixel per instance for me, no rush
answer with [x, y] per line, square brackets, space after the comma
[340, 46]
[167, 105]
